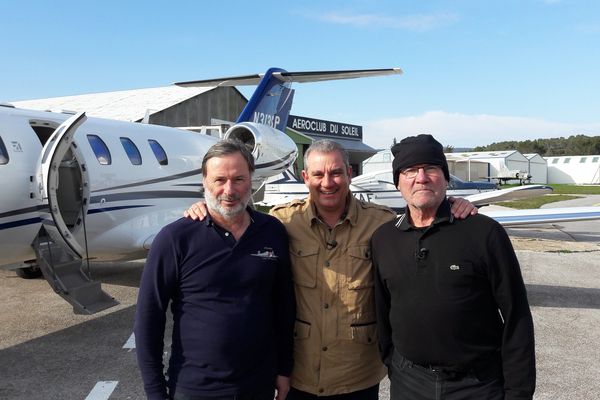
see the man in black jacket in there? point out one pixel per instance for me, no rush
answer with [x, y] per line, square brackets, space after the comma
[452, 310]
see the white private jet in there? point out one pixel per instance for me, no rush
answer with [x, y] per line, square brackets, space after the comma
[78, 188]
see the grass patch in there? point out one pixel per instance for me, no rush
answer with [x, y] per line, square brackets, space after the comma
[536, 202]
[571, 251]
[563, 188]
[560, 192]
[575, 189]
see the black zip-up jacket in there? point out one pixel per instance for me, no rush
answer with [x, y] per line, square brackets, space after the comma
[452, 294]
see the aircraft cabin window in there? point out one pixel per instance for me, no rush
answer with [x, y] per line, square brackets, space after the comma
[159, 152]
[567, 160]
[132, 151]
[3, 153]
[100, 149]
[555, 161]
[595, 159]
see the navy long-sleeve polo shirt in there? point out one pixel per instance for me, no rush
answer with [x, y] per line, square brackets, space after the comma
[232, 304]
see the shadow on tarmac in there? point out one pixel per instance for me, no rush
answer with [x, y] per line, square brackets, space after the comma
[118, 273]
[563, 296]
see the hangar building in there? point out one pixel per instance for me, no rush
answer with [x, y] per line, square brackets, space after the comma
[537, 168]
[304, 131]
[574, 169]
[169, 106]
[458, 165]
[502, 163]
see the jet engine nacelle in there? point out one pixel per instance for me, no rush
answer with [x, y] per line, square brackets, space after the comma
[272, 149]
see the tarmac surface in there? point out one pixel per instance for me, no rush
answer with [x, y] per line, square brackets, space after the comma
[47, 352]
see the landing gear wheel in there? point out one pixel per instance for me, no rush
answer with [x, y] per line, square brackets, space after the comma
[29, 272]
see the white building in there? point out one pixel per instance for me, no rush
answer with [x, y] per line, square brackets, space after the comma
[461, 167]
[468, 169]
[501, 163]
[382, 160]
[574, 169]
[537, 168]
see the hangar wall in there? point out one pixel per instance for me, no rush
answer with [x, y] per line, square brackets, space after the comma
[223, 103]
[574, 169]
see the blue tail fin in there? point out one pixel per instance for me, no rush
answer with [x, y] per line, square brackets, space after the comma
[271, 102]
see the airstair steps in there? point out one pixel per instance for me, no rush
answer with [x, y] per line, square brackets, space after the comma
[65, 274]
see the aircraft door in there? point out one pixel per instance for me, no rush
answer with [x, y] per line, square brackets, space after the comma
[19, 218]
[63, 185]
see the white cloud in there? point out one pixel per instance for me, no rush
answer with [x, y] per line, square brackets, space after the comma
[462, 130]
[419, 22]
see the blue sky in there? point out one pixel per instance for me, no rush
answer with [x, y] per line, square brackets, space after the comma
[475, 71]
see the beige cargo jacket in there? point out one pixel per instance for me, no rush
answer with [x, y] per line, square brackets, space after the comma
[335, 346]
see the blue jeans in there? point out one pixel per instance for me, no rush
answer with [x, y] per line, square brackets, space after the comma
[410, 381]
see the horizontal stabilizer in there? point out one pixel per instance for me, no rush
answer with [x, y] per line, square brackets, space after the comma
[543, 215]
[301, 77]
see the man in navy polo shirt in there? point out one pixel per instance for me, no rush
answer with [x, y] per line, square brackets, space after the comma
[229, 284]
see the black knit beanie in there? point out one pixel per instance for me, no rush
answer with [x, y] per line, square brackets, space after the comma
[415, 150]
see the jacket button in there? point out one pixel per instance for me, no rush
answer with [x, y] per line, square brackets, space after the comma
[327, 263]
[326, 305]
[321, 390]
[324, 348]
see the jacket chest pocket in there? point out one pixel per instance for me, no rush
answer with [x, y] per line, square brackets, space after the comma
[304, 265]
[360, 272]
[358, 299]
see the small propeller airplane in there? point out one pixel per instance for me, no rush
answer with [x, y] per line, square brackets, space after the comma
[78, 189]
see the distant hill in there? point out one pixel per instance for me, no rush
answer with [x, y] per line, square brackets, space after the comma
[577, 145]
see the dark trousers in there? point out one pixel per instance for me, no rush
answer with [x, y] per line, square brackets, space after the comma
[265, 394]
[371, 393]
[409, 381]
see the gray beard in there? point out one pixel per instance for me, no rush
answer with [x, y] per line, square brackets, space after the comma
[213, 203]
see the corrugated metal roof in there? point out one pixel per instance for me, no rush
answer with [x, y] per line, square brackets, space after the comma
[125, 105]
[531, 156]
[487, 154]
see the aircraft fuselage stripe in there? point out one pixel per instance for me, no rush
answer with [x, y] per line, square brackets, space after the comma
[23, 211]
[156, 180]
[153, 194]
[22, 222]
[545, 217]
